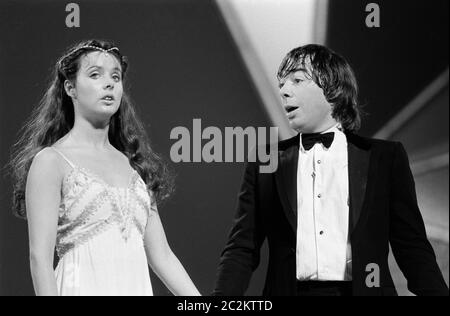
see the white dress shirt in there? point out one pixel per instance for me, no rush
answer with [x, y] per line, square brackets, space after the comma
[323, 244]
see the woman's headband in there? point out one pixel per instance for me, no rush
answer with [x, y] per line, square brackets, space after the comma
[106, 51]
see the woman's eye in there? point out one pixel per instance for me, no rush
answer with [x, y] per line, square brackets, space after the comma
[94, 75]
[116, 78]
[297, 80]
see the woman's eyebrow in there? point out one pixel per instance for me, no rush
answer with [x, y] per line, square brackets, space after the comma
[95, 66]
[100, 67]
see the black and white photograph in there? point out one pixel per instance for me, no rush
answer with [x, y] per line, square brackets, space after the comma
[224, 149]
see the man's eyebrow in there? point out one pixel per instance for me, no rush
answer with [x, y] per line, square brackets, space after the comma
[302, 69]
[290, 72]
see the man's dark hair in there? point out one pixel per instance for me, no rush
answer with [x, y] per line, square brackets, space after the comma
[333, 74]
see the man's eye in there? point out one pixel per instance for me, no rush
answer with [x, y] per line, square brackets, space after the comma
[298, 80]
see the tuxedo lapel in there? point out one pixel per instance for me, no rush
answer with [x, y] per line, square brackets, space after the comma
[358, 168]
[286, 178]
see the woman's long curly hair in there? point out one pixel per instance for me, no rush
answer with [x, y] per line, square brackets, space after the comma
[54, 117]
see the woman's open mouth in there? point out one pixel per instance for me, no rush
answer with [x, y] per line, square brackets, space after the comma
[108, 99]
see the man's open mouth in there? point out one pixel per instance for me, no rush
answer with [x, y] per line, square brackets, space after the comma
[289, 108]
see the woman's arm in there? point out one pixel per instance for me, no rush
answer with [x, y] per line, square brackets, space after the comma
[163, 261]
[42, 197]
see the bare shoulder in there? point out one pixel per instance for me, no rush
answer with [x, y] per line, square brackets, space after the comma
[116, 152]
[46, 156]
[120, 157]
[42, 192]
[47, 163]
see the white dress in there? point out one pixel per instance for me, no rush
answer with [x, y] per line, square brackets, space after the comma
[100, 236]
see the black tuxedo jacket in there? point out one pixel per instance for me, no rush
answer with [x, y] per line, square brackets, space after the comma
[383, 211]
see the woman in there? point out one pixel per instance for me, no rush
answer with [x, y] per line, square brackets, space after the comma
[88, 182]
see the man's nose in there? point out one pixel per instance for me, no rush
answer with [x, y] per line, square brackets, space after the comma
[285, 91]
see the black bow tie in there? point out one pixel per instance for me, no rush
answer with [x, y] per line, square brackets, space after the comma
[308, 140]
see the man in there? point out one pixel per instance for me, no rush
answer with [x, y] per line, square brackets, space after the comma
[335, 203]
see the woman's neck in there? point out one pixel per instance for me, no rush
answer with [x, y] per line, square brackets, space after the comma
[84, 133]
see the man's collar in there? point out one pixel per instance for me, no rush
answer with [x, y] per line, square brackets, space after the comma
[337, 128]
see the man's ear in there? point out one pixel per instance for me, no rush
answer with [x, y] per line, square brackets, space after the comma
[69, 87]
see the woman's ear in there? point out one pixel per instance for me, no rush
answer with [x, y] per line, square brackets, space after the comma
[70, 89]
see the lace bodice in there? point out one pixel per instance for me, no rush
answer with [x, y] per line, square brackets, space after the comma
[90, 206]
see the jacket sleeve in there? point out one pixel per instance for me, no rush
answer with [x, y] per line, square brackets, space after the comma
[242, 252]
[411, 248]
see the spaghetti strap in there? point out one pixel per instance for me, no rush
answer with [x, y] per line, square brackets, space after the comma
[64, 157]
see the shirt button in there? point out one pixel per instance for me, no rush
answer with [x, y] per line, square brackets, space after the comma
[319, 196]
[319, 161]
[321, 232]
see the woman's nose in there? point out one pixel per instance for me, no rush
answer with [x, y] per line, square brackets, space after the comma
[109, 84]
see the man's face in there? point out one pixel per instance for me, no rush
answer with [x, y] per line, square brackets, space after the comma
[307, 109]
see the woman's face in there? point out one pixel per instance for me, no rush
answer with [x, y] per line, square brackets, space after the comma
[98, 86]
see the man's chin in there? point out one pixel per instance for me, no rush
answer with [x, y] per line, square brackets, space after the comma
[295, 126]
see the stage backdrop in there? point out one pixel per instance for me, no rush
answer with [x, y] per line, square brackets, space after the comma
[183, 65]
